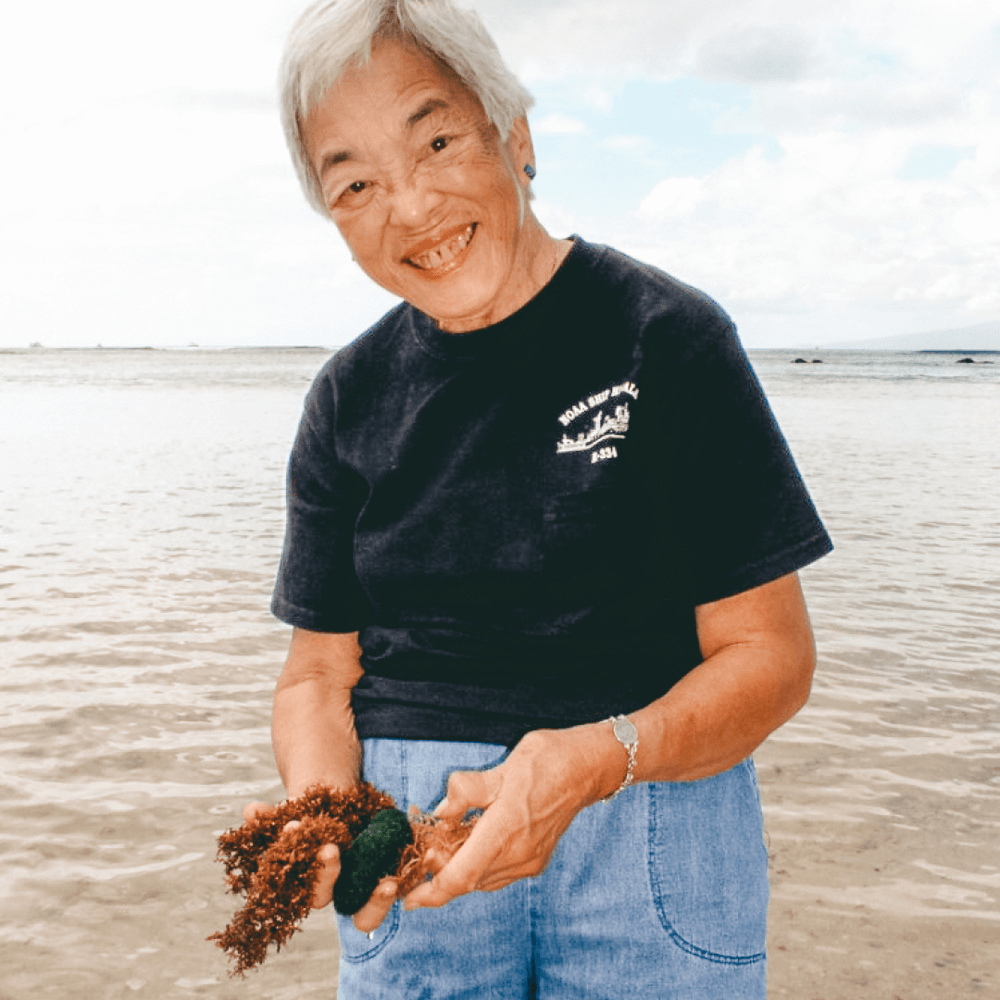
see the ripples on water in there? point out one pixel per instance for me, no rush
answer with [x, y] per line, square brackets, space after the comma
[897, 756]
[141, 515]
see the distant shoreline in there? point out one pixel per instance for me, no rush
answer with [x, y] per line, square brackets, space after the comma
[317, 348]
[820, 349]
[175, 349]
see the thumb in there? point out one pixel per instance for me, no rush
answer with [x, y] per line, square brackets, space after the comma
[255, 809]
[469, 790]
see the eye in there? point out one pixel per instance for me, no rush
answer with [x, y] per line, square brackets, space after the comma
[351, 192]
[352, 196]
[439, 143]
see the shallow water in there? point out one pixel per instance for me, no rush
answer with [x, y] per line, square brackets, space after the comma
[141, 515]
[894, 765]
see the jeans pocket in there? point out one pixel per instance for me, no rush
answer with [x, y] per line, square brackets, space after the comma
[708, 865]
[356, 947]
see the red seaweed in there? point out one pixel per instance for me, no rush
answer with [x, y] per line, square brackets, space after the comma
[276, 869]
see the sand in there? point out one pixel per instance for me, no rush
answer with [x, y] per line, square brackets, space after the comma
[869, 908]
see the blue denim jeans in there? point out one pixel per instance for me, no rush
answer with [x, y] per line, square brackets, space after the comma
[661, 893]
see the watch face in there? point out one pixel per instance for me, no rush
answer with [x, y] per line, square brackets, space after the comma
[625, 731]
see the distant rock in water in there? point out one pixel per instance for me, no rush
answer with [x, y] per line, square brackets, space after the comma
[965, 361]
[817, 361]
[800, 361]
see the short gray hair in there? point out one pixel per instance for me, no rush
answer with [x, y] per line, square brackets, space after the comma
[332, 35]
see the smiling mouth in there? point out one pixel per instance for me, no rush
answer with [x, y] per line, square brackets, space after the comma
[446, 255]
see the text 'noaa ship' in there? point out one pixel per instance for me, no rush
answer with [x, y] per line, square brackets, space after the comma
[603, 428]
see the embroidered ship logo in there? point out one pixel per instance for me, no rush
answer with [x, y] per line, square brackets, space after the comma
[603, 428]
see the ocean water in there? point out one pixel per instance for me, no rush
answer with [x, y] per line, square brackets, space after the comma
[141, 519]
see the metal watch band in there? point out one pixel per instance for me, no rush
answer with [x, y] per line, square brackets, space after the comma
[626, 734]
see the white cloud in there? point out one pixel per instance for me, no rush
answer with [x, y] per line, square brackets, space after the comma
[987, 302]
[757, 54]
[627, 142]
[558, 124]
[593, 38]
[599, 40]
[826, 229]
[190, 99]
[980, 224]
[883, 102]
[673, 197]
[597, 97]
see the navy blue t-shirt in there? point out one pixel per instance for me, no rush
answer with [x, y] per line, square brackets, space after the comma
[521, 520]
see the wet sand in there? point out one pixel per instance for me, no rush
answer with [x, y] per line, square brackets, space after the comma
[867, 906]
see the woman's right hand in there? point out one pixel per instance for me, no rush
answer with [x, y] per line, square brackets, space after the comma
[372, 913]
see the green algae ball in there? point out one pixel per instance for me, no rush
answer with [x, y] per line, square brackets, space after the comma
[373, 855]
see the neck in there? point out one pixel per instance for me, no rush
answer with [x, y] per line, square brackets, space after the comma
[537, 261]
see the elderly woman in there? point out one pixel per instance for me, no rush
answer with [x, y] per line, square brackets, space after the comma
[541, 552]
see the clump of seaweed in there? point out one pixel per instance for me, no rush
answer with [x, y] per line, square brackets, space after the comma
[276, 869]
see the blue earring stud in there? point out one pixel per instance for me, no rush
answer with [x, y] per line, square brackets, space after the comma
[530, 171]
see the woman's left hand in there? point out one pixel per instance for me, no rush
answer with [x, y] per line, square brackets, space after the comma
[529, 801]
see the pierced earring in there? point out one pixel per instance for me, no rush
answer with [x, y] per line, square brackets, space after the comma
[530, 171]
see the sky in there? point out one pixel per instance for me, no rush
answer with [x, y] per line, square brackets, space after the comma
[827, 171]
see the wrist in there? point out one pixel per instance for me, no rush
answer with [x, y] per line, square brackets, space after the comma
[604, 761]
[340, 771]
[627, 735]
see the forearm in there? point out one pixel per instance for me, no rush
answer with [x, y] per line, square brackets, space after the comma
[708, 722]
[312, 728]
[718, 714]
[752, 680]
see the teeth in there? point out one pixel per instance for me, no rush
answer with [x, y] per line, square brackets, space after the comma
[443, 253]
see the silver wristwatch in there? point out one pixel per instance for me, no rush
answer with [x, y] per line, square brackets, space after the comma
[628, 736]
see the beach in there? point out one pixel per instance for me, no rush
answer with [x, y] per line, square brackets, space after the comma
[868, 905]
[141, 519]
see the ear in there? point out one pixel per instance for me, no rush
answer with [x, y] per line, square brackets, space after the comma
[520, 148]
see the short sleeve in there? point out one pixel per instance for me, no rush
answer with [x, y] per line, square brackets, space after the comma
[317, 587]
[734, 496]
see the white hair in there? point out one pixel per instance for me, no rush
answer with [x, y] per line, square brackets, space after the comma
[332, 35]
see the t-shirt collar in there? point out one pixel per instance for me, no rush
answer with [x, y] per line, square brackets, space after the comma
[512, 330]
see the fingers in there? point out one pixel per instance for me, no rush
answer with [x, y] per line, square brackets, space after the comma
[469, 790]
[373, 912]
[454, 879]
[254, 810]
[435, 860]
[465, 870]
[329, 856]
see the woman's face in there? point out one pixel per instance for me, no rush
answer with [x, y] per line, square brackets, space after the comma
[421, 188]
